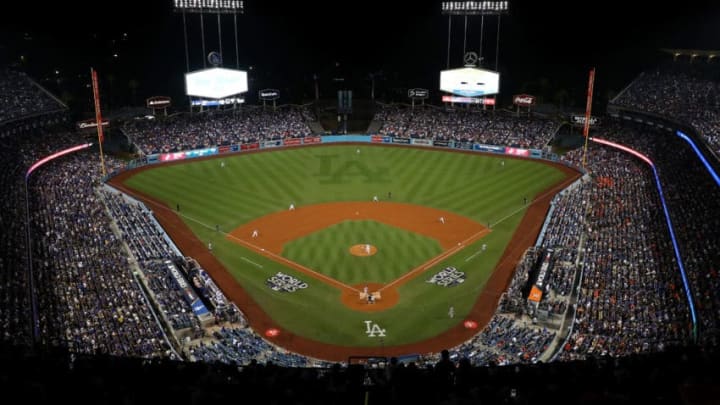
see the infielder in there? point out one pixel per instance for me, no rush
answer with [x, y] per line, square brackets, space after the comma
[375, 199]
[442, 220]
[292, 207]
[255, 233]
[367, 248]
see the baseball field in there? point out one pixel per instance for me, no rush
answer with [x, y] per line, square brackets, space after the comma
[446, 231]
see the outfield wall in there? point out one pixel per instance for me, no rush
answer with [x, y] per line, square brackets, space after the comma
[337, 139]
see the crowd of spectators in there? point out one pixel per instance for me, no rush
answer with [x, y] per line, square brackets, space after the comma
[486, 127]
[241, 346]
[684, 92]
[673, 377]
[630, 300]
[212, 128]
[630, 297]
[691, 195]
[20, 97]
[88, 299]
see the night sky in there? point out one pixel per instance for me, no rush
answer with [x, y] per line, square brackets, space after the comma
[545, 47]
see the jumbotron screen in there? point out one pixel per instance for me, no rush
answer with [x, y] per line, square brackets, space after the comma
[216, 83]
[470, 82]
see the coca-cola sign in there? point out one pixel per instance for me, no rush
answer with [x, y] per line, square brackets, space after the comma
[524, 100]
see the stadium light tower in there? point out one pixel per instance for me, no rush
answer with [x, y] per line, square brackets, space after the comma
[474, 8]
[203, 7]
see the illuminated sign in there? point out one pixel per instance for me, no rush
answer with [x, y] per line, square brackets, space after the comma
[158, 102]
[524, 100]
[580, 120]
[213, 103]
[418, 93]
[468, 100]
[91, 123]
[269, 94]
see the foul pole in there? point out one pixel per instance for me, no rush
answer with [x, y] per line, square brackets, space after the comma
[588, 110]
[98, 118]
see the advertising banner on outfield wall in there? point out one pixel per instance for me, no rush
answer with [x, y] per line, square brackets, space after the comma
[377, 139]
[312, 139]
[223, 148]
[154, 158]
[249, 146]
[292, 141]
[401, 140]
[489, 148]
[272, 144]
[168, 157]
[443, 143]
[234, 148]
[517, 151]
[201, 152]
[422, 142]
[536, 153]
[463, 145]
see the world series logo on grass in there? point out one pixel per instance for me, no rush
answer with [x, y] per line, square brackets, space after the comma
[285, 283]
[448, 277]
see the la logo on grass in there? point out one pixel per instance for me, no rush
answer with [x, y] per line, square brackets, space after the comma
[344, 170]
[374, 330]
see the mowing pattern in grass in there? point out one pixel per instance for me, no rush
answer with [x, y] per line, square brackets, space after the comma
[326, 251]
[253, 185]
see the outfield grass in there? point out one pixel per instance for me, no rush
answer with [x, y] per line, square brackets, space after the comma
[326, 251]
[253, 185]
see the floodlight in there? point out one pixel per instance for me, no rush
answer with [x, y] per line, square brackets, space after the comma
[475, 7]
[210, 6]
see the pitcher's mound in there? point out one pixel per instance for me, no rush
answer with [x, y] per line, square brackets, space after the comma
[363, 250]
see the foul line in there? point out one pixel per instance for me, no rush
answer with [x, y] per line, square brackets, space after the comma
[258, 249]
[442, 256]
[416, 271]
[473, 255]
[295, 265]
[250, 261]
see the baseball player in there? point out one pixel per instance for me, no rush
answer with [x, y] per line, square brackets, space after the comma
[484, 247]
[255, 233]
[367, 249]
[210, 246]
[451, 312]
[375, 198]
[357, 151]
[222, 163]
[292, 207]
[442, 220]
